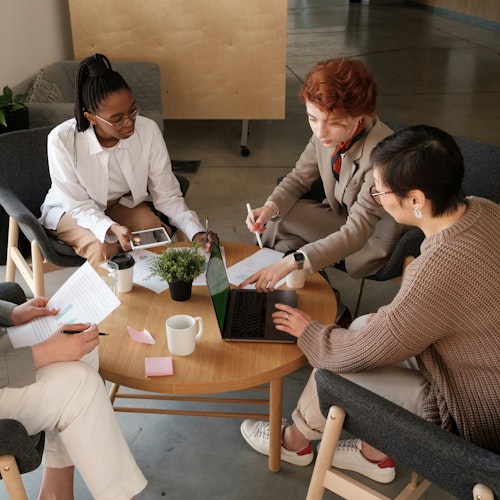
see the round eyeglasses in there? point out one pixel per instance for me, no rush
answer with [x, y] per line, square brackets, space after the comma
[376, 195]
[121, 123]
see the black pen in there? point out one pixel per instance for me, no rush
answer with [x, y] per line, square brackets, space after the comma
[80, 331]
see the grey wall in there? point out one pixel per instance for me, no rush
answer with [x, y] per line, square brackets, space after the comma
[33, 34]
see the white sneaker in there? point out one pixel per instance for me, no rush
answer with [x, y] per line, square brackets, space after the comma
[348, 456]
[256, 434]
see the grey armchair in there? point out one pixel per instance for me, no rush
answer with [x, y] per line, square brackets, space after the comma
[482, 178]
[19, 452]
[461, 468]
[51, 94]
[24, 182]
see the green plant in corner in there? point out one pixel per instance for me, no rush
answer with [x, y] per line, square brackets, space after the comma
[178, 264]
[10, 103]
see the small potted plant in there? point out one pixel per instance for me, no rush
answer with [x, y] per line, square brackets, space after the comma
[14, 114]
[179, 267]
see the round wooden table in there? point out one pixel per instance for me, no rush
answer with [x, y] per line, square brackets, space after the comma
[216, 366]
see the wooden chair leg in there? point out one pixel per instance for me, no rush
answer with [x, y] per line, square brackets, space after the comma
[331, 435]
[12, 478]
[37, 266]
[112, 393]
[34, 275]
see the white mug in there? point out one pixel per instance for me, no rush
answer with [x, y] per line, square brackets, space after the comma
[182, 334]
[296, 279]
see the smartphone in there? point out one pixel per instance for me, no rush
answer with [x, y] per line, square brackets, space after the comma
[151, 238]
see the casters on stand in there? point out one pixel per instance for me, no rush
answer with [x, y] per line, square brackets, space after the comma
[244, 135]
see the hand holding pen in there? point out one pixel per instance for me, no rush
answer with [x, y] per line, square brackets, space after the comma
[80, 331]
[63, 347]
[253, 228]
[206, 238]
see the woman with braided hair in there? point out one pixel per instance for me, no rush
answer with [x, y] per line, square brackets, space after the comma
[106, 163]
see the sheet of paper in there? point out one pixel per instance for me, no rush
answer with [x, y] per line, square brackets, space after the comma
[245, 268]
[141, 271]
[83, 298]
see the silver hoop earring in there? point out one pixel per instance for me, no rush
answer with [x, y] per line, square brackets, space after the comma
[417, 213]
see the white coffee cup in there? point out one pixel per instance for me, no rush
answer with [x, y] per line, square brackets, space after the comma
[182, 334]
[125, 263]
[296, 279]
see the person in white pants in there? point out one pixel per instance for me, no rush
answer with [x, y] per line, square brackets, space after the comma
[54, 387]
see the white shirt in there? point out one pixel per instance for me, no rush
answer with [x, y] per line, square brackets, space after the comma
[79, 169]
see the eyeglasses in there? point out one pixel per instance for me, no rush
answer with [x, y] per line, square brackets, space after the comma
[375, 195]
[121, 123]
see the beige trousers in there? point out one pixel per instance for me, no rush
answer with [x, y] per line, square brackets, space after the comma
[402, 384]
[69, 402]
[84, 241]
[307, 221]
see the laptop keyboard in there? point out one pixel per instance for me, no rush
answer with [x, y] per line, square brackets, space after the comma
[249, 325]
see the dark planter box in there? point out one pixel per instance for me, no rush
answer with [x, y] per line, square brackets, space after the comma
[18, 120]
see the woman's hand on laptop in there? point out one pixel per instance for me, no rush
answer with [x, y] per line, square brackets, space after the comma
[290, 320]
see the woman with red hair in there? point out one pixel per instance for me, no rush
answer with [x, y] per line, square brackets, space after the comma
[346, 225]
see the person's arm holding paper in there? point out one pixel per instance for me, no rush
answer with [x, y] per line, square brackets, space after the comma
[62, 347]
[17, 366]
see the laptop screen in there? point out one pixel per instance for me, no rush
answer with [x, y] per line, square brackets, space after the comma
[218, 284]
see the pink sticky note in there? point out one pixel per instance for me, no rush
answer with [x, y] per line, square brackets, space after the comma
[156, 367]
[145, 337]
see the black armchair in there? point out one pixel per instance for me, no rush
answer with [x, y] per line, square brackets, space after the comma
[24, 182]
[482, 178]
[461, 468]
[19, 452]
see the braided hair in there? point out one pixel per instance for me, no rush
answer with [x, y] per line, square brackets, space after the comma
[95, 80]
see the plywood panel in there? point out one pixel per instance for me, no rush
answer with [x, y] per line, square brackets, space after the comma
[220, 59]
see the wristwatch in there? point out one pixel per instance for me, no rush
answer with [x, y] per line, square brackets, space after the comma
[299, 258]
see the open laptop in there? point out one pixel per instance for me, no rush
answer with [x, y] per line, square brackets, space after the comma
[244, 315]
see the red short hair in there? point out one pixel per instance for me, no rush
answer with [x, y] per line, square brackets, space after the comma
[341, 86]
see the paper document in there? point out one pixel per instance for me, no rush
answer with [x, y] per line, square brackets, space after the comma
[246, 267]
[84, 298]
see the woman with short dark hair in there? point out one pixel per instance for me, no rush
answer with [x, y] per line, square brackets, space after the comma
[435, 348]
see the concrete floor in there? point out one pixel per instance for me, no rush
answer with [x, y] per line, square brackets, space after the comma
[430, 68]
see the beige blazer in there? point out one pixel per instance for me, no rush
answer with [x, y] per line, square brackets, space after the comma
[369, 234]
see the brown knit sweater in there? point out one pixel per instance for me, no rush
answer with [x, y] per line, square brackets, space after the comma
[447, 314]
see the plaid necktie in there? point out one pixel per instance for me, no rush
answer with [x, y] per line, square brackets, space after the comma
[342, 148]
